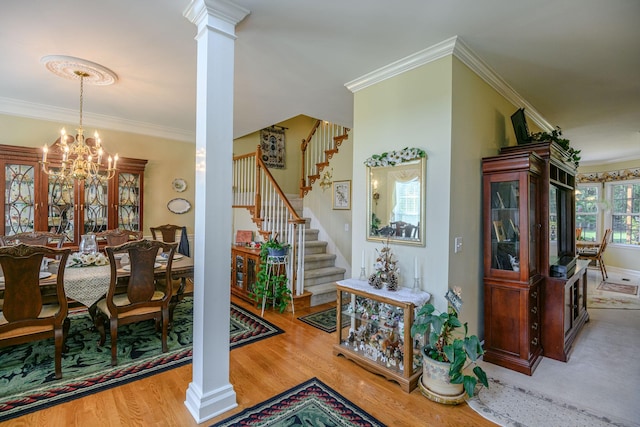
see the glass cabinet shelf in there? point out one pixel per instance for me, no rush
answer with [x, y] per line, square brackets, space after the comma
[376, 330]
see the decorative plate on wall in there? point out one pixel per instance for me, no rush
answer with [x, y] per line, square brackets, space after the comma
[179, 185]
[179, 205]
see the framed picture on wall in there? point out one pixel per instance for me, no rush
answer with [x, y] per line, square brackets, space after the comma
[342, 195]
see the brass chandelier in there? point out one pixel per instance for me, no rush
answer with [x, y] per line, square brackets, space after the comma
[81, 158]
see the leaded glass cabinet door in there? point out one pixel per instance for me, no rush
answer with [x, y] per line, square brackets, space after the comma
[19, 201]
[61, 206]
[96, 204]
[128, 209]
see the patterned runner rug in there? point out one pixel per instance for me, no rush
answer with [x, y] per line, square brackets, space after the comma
[515, 406]
[619, 290]
[324, 320]
[27, 373]
[311, 403]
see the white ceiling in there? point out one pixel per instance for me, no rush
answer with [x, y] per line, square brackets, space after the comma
[577, 62]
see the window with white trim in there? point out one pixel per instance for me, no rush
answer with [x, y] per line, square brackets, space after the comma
[624, 216]
[587, 197]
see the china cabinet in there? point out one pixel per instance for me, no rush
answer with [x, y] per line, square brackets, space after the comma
[512, 263]
[35, 201]
[377, 331]
[558, 249]
[535, 292]
[245, 264]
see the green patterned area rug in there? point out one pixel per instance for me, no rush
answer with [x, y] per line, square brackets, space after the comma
[27, 380]
[311, 403]
[324, 320]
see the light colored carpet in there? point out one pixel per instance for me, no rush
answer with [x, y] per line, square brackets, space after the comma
[599, 385]
[602, 295]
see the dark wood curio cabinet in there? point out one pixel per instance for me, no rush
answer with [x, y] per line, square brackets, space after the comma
[530, 269]
[512, 264]
[35, 201]
[245, 265]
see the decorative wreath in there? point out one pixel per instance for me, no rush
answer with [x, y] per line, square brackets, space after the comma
[394, 157]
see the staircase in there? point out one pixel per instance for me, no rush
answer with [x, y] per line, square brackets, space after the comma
[320, 271]
[311, 269]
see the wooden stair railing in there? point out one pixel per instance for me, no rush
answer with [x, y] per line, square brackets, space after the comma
[317, 149]
[255, 189]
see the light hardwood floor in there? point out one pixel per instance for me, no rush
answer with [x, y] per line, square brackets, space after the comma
[258, 371]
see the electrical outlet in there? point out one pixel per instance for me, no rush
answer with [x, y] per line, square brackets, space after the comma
[457, 244]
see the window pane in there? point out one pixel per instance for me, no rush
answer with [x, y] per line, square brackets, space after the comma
[625, 213]
[587, 197]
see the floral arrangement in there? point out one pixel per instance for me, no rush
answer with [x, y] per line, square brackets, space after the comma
[386, 269]
[78, 259]
[394, 157]
[555, 136]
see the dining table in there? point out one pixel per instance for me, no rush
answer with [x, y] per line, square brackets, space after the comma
[88, 284]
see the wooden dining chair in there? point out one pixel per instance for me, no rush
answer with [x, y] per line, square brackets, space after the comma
[117, 236]
[595, 253]
[142, 301]
[169, 232]
[24, 317]
[43, 238]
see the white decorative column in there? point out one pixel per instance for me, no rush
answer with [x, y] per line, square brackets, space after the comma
[210, 392]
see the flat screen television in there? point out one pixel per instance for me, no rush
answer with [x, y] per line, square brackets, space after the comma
[520, 127]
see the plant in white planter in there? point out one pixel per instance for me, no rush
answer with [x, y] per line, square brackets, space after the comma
[272, 287]
[449, 348]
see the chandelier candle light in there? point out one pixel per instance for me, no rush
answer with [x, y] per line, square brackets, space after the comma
[81, 157]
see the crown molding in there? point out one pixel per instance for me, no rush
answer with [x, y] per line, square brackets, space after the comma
[430, 54]
[452, 46]
[31, 110]
[493, 79]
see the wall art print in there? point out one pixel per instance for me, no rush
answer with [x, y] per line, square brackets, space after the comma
[273, 148]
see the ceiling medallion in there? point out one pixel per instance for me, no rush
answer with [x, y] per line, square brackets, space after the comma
[72, 68]
[77, 157]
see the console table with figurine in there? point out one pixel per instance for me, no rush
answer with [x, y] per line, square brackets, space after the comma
[377, 330]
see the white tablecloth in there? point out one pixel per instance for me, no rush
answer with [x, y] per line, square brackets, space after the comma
[87, 284]
[401, 295]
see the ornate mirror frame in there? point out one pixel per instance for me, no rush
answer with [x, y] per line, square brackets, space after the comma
[383, 221]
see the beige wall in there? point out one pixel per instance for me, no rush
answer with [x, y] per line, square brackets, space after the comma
[167, 160]
[481, 126]
[412, 109]
[335, 225]
[298, 128]
[448, 111]
[288, 179]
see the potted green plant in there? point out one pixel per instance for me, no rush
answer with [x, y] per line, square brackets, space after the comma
[447, 351]
[271, 282]
[274, 248]
[556, 136]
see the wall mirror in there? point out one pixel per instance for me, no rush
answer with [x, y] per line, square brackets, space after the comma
[396, 184]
